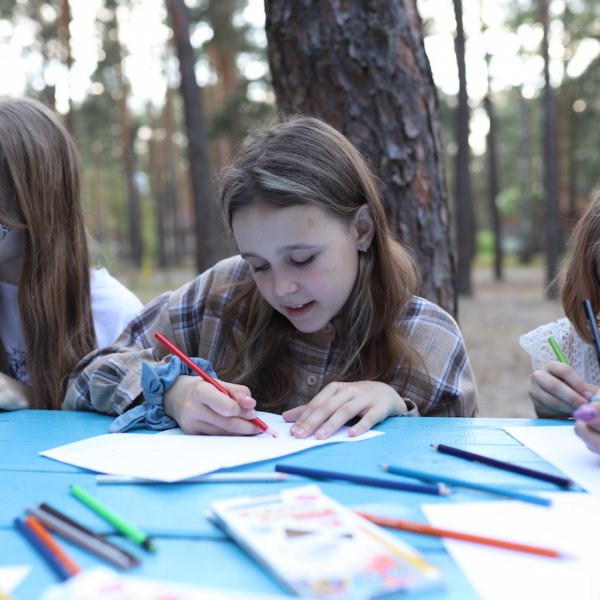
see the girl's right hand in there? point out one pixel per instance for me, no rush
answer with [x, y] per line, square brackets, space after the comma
[200, 408]
[557, 390]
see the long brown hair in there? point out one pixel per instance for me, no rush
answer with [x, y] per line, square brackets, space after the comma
[40, 195]
[581, 271]
[303, 160]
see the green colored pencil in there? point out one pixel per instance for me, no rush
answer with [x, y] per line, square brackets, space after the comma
[128, 530]
[559, 354]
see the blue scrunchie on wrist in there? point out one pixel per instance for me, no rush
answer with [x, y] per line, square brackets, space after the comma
[156, 380]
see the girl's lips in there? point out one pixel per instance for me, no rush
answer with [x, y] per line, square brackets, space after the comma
[299, 310]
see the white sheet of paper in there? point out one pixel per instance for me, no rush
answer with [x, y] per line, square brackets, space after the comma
[570, 525]
[11, 577]
[562, 448]
[172, 456]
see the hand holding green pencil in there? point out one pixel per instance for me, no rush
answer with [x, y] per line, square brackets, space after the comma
[557, 351]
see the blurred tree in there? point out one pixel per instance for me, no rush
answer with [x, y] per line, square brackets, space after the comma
[208, 225]
[492, 170]
[553, 229]
[465, 219]
[362, 67]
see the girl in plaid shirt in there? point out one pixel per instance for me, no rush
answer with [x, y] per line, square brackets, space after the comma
[316, 319]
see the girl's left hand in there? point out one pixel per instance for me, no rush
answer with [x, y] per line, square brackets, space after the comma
[339, 402]
[587, 425]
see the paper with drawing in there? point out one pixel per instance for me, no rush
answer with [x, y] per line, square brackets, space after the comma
[173, 456]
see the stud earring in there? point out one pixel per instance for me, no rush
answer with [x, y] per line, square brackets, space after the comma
[363, 247]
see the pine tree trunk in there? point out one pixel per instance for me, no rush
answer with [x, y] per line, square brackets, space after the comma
[362, 67]
[553, 229]
[208, 227]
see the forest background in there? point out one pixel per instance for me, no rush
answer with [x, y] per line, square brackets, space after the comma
[485, 147]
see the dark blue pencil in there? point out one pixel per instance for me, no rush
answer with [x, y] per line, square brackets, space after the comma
[435, 489]
[505, 466]
[43, 550]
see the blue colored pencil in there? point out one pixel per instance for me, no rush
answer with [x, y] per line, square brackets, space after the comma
[43, 550]
[423, 476]
[435, 489]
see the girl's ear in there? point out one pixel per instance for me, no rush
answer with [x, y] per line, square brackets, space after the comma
[365, 227]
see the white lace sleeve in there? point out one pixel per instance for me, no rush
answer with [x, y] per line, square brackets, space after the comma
[536, 344]
[580, 355]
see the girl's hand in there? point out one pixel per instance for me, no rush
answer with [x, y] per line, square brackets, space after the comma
[557, 390]
[200, 408]
[587, 426]
[13, 394]
[338, 402]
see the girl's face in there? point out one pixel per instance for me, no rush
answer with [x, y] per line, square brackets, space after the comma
[304, 260]
[11, 248]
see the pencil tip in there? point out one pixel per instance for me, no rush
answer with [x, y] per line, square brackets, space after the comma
[273, 433]
[444, 489]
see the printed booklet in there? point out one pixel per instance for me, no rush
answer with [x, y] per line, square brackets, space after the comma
[321, 549]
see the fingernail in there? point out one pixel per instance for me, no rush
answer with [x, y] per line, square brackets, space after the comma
[250, 414]
[322, 433]
[297, 431]
[584, 413]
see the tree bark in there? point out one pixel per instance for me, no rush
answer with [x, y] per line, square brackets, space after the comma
[465, 222]
[362, 67]
[208, 226]
[553, 229]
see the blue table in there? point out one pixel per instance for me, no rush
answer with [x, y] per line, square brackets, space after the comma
[192, 550]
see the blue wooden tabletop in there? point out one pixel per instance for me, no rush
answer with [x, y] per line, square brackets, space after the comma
[191, 549]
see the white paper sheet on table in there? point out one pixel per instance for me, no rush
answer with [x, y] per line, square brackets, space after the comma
[561, 447]
[11, 577]
[570, 525]
[172, 456]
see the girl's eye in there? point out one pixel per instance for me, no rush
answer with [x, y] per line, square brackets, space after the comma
[302, 263]
[256, 269]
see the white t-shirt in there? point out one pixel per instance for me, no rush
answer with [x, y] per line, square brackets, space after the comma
[113, 306]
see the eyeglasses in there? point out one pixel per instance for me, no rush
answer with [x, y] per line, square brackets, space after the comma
[3, 231]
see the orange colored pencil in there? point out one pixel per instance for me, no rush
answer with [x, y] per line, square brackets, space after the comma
[424, 529]
[44, 535]
[200, 371]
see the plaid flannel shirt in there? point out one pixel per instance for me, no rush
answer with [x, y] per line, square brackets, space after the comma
[108, 380]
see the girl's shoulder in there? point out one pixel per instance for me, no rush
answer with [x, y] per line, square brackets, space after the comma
[421, 309]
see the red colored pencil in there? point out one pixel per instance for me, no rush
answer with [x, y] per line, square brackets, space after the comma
[45, 537]
[424, 529]
[200, 371]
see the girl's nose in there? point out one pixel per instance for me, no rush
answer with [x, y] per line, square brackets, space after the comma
[283, 286]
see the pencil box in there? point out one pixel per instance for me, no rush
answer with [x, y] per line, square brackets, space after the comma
[319, 548]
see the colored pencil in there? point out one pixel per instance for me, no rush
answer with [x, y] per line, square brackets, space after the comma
[209, 478]
[435, 489]
[425, 476]
[425, 529]
[43, 550]
[505, 466]
[200, 371]
[83, 537]
[120, 524]
[589, 311]
[39, 529]
[557, 351]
